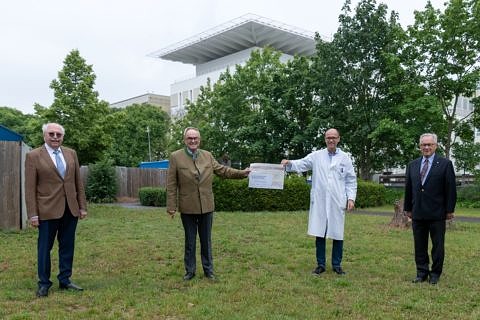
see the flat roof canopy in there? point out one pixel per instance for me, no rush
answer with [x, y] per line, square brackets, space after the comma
[237, 35]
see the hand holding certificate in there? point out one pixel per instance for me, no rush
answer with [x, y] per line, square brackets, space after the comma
[266, 176]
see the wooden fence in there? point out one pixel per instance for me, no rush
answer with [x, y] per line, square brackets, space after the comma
[398, 180]
[130, 180]
[13, 213]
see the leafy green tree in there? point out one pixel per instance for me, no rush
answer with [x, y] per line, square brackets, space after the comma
[261, 112]
[358, 75]
[300, 134]
[445, 53]
[467, 156]
[17, 121]
[12, 118]
[76, 106]
[131, 129]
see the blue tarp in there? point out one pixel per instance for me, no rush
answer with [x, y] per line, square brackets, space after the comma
[9, 135]
[162, 164]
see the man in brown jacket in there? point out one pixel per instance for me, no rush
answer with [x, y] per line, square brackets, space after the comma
[189, 190]
[55, 200]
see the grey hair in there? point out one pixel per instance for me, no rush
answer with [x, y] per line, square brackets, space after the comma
[433, 135]
[45, 126]
[190, 128]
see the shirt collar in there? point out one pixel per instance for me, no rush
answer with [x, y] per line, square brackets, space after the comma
[333, 153]
[430, 159]
[190, 153]
[50, 149]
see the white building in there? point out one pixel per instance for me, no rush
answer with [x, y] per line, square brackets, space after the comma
[147, 98]
[465, 108]
[227, 45]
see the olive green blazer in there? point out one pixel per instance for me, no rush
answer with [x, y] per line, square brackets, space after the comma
[189, 181]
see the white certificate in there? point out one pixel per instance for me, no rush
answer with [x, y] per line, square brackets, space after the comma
[266, 176]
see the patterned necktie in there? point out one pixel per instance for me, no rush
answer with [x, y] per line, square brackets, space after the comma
[424, 170]
[60, 166]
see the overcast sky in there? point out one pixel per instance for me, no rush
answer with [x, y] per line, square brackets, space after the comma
[115, 36]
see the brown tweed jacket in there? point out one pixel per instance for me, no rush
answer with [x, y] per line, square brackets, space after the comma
[45, 189]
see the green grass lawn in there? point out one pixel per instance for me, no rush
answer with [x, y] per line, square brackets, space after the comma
[130, 262]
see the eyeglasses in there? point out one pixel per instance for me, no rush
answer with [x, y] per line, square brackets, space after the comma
[427, 145]
[331, 138]
[192, 138]
[55, 134]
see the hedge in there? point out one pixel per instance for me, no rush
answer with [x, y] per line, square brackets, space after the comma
[370, 194]
[235, 195]
[150, 196]
[469, 196]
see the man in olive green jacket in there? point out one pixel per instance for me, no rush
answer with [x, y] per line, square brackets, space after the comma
[189, 190]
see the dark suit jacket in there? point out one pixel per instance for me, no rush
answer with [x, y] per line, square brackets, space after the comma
[437, 196]
[45, 189]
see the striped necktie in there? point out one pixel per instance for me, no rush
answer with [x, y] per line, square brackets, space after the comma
[424, 170]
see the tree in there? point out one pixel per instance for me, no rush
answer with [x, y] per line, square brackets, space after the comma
[12, 118]
[445, 54]
[17, 121]
[467, 156]
[131, 142]
[261, 112]
[358, 74]
[76, 106]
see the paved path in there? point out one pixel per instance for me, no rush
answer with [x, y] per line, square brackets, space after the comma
[132, 205]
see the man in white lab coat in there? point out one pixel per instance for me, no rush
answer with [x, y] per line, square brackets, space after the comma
[334, 188]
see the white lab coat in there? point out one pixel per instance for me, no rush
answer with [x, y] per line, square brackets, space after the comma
[333, 183]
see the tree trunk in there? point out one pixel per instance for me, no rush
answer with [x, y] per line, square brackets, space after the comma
[399, 219]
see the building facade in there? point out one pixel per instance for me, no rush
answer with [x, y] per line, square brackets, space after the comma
[228, 45]
[148, 98]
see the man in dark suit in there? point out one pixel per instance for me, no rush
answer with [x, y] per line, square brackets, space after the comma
[55, 199]
[430, 197]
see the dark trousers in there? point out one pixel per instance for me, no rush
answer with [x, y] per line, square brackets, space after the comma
[202, 223]
[421, 230]
[337, 252]
[64, 229]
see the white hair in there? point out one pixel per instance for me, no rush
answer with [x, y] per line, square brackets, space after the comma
[45, 126]
[433, 135]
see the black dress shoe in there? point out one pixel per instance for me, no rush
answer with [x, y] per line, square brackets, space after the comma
[433, 280]
[419, 279]
[338, 270]
[188, 276]
[318, 270]
[42, 292]
[70, 286]
[210, 276]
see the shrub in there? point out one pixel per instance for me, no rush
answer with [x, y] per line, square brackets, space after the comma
[101, 183]
[370, 194]
[469, 196]
[392, 194]
[235, 195]
[150, 196]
